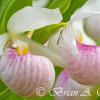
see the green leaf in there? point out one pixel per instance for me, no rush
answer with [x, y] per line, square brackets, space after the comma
[75, 4]
[4, 8]
[43, 34]
[7, 8]
[62, 4]
[1, 2]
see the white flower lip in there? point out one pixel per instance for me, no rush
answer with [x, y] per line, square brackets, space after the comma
[25, 74]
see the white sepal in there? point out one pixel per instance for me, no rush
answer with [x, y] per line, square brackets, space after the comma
[32, 18]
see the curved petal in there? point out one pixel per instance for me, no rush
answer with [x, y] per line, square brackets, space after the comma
[26, 74]
[68, 89]
[31, 18]
[62, 43]
[3, 41]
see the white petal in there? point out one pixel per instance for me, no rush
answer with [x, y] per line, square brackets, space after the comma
[3, 40]
[31, 18]
[61, 42]
[40, 3]
[54, 40]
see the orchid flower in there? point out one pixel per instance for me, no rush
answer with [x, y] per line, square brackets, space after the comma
[21, 69]
[80, 57]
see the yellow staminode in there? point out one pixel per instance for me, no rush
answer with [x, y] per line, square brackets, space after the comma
[80, 38]
[21, 47]
[23, 51]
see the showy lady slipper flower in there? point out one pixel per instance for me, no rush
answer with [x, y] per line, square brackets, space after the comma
[21, 71]
[81, 59]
